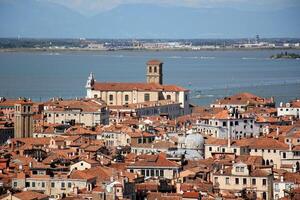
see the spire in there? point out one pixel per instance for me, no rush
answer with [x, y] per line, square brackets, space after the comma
[90, 81]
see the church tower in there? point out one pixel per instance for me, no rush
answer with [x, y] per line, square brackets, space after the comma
[154, 72]
[89, 85]
[23, 120]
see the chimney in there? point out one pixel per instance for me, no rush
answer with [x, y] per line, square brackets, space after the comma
[267, 130]
[228, 133]
[75, 190]
[290, 146]
[178, 186]
[294, 168]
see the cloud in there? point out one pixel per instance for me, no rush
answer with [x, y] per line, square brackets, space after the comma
[92, 7]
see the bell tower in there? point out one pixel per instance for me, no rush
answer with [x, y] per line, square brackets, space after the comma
[23, 120]
[154, 72]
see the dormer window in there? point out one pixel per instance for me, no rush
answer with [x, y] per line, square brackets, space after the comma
[237, 169]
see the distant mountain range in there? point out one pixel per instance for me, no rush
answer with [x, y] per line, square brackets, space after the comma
[31, 18]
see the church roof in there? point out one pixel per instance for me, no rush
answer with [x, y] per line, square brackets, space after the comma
[117, 86]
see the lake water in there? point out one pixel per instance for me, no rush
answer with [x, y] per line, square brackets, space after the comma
[208, 74]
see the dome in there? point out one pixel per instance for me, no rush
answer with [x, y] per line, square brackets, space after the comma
[194, 141]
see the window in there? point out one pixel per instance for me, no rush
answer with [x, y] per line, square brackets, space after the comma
[253, 181]
[168, 97]
[95, 96]
[216, 180]
[150, 69]
[143, 172]
[244, 181]
[227, 181]
[284, 155]
[43, 184]
[242, 169]
[69, 185]
[236, 123]
[210, 148]
[152, 172]
[264, 182]
[140, 140]
[155, 69]
[126, 97]
[237, 181]
[237, 169]
[32, 184]
[15, 184]
[161, 172]
[146, 97]
[52, 184]
[224, 123]
[81, 164]
[63, 184]
[111, 97]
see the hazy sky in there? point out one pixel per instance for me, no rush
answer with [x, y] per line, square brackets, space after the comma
[91, 7]
[149, 18]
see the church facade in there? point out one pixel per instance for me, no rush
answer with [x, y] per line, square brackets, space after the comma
[116, 93]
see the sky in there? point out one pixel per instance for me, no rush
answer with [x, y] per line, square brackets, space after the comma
[91, 7]
[174, 19]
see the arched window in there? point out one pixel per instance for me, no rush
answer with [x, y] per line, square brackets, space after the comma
[155, 70]
[267, 162]
[264, 195]
[150, 69]
[95, 96]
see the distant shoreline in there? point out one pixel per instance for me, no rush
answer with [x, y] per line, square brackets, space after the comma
[137, 50]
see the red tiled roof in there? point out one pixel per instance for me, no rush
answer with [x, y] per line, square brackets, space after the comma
[30, 195]
[243, 98]
[87, 105]
[154, 161]
[117, 86]
[191, 195]
[154, 62]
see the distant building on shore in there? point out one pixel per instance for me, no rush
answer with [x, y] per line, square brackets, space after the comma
[116, 93]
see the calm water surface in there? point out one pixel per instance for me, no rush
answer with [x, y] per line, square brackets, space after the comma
[208, 74]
